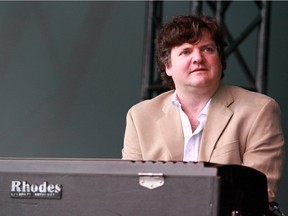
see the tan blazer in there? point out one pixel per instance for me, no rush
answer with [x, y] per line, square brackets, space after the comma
[242, 127]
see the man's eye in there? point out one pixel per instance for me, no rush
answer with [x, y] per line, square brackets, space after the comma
[209, 49]
[184, 52]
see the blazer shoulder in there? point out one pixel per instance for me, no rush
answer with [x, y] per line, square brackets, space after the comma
[154, 104]
[239, 93]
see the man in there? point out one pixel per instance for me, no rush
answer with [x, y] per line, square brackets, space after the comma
[202, 119]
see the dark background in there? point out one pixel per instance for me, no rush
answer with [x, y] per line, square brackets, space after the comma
[69, 71]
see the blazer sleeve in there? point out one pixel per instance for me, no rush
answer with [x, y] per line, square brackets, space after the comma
[265, 145]
[131, 148]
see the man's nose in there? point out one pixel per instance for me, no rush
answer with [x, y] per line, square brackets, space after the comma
[197, 56]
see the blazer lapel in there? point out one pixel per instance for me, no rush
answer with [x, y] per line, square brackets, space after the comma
[218, 117]
[171, 131]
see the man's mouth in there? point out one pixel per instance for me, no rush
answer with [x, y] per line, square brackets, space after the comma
[199, 69]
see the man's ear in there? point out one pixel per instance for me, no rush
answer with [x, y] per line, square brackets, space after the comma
[167, 69]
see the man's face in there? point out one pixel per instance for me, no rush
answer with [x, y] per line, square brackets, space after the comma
[195, 66]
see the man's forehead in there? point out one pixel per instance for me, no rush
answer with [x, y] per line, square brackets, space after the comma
[205, 37]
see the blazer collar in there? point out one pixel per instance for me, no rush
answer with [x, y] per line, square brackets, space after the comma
[218, 117]
[171, 130]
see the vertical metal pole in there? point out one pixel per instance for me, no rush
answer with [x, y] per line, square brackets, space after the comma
[218, 12]
[154, 18]
[263, 48]
[195, 7]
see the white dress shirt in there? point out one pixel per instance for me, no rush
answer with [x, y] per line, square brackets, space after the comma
[192, 139]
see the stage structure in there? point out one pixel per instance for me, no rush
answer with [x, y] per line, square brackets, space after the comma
[151, 81]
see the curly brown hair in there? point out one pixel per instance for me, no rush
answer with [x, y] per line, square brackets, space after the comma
[186, 29]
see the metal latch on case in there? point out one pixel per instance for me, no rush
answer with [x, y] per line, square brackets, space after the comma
[151, 180]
